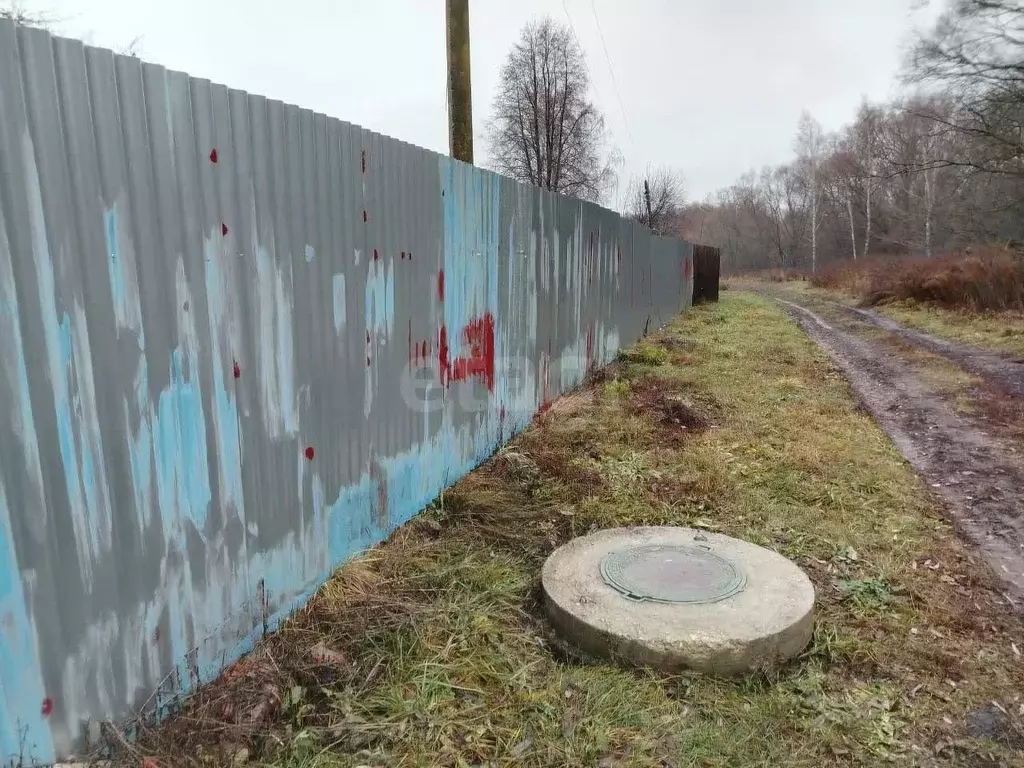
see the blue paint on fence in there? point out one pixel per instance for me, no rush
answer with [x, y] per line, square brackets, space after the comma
[380, 296]
[27, 736]
[472, 205]
[179, 442]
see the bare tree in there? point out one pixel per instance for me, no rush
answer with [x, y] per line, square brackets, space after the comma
[976, 53]
[843, 182]
[810, 148]
[668, 196]
[15, 11]
[545, 130]
[865, 139]
[133, 48]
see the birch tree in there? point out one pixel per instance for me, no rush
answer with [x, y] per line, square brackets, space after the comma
[810, 148]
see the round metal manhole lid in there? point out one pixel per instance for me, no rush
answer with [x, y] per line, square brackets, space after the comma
[668, 573]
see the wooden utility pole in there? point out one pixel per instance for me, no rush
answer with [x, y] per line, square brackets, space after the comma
[460, 97]
[647, 198]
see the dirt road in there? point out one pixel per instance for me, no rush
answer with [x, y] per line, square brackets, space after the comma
[974, 465]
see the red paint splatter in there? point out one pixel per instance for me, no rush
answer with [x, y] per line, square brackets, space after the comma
[310, 453]
[501, 414]
[375, 256]
[440, 285]
[236, 369]
[47, 707]
[363, 160]
[223, 229]
[479, 337]
[364, 217]
[442, 355]
[687, 268]
[213, 155]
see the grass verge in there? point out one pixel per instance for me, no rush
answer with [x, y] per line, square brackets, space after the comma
[431, 649]
[997, 331]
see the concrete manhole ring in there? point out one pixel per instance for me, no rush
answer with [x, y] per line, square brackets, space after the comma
[678, 598]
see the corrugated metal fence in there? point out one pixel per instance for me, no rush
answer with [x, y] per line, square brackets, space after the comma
[240, 342]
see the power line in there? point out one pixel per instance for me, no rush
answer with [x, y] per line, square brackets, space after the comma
[593, 82]
[572, 28]
[611, 70]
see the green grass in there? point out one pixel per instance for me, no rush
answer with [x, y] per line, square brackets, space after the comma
[645, 354]
[999, 331]
[432, 648]
[996, 331]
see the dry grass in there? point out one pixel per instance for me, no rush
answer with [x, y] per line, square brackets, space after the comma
[775, 275]
[982, 279]
[998, 331]
[432, 649]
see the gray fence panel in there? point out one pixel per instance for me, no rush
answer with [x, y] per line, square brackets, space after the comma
[242, 342]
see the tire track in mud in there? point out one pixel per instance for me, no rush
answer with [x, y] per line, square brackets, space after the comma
[1005, 372]
[978, 477]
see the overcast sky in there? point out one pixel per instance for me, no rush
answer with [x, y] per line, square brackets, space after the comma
[711, 87]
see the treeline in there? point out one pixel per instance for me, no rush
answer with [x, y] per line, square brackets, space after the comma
[932, 173]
